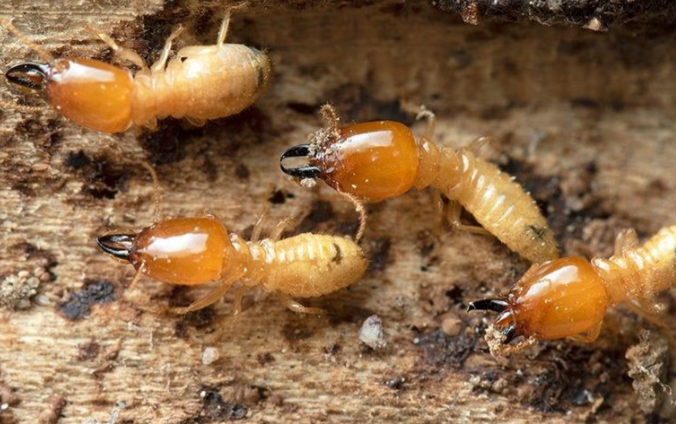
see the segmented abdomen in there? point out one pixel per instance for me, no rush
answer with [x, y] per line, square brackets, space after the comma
[309, 265]
[642, 272]
[502, 207]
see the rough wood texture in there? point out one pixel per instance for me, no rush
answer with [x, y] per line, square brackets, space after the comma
[584, 120]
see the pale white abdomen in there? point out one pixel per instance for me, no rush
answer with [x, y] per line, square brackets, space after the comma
[502, 207]
[309, 265]
[203, 82]
[642, 272]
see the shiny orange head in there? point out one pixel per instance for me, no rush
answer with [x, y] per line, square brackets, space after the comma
[91, 93]
[184, 251]
[371, 160]
[553, 300]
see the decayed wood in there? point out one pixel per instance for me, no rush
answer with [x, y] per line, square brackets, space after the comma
[584, 120]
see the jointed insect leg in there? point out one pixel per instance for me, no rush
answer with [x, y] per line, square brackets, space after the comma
[626, 240]
[124, 53]
[425, 113]
[453, 211]
[223, 32]
[137, 277]
[160, 64]
[478, 144]
[237, 303]
[590, 335]
[287, 301]
[211, 298]
[258, 226]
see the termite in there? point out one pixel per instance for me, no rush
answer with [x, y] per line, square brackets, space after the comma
[568, 297]
[196, 251]
[378, 160]
[200, 83]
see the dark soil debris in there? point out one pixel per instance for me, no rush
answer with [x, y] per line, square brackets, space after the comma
[93, 292]
[379, 253]
[103, 178]
[355, 103]
[214, 408]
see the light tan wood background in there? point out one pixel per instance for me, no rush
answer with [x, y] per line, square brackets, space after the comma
[585, 120]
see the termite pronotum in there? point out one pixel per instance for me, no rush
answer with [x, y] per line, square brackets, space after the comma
[373, 161]
[200, 83]
[195, 251]
[568, 297]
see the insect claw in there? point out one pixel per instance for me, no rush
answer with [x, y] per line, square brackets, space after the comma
[117, 245]
[28, 75]
[495, 305]
[303, 171]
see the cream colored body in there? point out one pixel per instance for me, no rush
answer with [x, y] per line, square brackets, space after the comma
[636, 273]
[306, 265]
[498, 203]
[202, 82]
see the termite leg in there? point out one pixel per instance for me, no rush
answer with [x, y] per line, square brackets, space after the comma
[137, 277]
[291, 304]
[626, 240]
[223, 32]
[211, 298]
[438, 201]
[590, 335]
[646, 310]
[279, 229]
[237, 303]
[478, 144]
[124, 53]
[157, 192]
[453, 211]
[258, 226]
[160, 64]
[431, 121]
[197, 122]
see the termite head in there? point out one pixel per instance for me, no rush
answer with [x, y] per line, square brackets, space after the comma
[371, 160]
[28, 77]
[557, 299]
[178, 251]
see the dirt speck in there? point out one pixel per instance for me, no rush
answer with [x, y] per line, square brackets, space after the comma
[93, 292]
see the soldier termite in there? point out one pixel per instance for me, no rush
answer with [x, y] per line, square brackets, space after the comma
[568, 297]
[373, 161]
[195, 251]
[200, 83]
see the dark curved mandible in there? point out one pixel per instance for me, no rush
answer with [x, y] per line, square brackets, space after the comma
[303, 171]
[112, 244]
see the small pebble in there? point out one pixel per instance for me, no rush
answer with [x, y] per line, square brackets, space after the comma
[210, 355]
[371, 333]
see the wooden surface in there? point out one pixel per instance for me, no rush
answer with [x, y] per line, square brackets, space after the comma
[585, 120]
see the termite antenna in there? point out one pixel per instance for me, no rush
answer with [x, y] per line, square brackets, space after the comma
[44, 54]
[359, 206]
[118, 245]
[495, 305]
[304, 171]
[331, 118]
[157, 195]
[21, 108]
